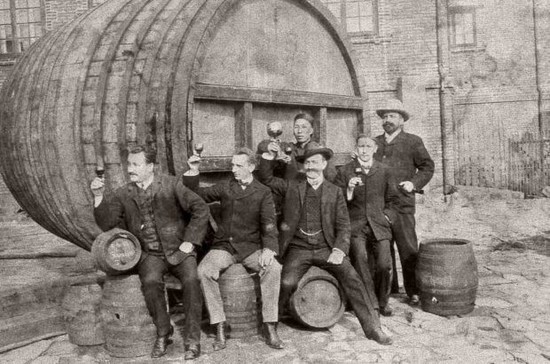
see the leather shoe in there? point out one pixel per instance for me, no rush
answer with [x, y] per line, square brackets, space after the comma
[386, 310]
[414, 300]
[220, 341]
[161, 343]
[192, 351]
[379, 336]
[271, 336]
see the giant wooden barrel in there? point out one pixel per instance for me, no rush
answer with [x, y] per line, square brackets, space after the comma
[170, 72]
[127, 325]
[116, 251]
[318, 301]
[81, 313]
[241, 301]
[446, 275]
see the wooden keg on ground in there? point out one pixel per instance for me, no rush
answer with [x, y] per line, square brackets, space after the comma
[128, 327]
[240, 292]
[116, 251]
[81, 313]
[318, 301]
[446, 275]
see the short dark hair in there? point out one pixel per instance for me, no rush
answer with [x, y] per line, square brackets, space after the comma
[305, 116]
[149, 151]
[365, 136]
[252, 157]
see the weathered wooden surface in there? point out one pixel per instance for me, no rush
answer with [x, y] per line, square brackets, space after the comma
[171, 72]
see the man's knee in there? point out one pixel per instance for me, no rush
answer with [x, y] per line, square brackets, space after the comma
[207, 272]
[274, 268]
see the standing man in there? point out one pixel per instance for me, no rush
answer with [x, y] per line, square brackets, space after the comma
[315, 232]
[411, 168]
[303, 131]
[366, 183]
[156, 209]
[247, 235]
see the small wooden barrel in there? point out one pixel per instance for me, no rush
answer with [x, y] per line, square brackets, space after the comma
[81, 313]
[446, 275]
[116, 251]
[128, 327]
[318, 301]
[240, 292]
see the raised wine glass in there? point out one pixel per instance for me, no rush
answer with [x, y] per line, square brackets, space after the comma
[199, 147]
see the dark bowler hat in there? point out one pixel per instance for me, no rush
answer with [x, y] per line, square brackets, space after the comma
[393, 105]
[317, 149]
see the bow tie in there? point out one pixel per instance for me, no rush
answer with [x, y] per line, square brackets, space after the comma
[244, 184]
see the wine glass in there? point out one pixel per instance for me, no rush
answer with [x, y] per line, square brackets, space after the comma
[199, 147]
[274, 130]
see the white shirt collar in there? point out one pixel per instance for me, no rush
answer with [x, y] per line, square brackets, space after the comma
[390, 137]
[145, 184]
[365, 165]
[315, 183]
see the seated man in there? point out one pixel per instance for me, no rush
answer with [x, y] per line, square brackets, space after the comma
[315, 232]
[366, 184]
[153, 207]
[247, 235]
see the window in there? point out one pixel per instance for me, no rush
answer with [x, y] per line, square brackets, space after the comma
[360, 15]
[21, 24]
[463, 26]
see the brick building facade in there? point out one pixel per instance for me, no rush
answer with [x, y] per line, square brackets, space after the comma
[472, 72]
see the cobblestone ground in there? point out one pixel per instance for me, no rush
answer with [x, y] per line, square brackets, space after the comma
[510, 324]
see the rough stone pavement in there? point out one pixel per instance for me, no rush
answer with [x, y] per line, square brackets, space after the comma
[510, 324]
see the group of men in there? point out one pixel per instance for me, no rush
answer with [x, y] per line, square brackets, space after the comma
[345, 227]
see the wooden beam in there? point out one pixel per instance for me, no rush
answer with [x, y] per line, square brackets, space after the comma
[321, 127]
[276, 96]
[243, 126]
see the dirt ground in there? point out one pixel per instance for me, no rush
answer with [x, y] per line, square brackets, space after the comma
[510, 324]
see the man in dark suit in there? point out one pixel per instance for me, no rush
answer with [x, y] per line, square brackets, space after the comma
[156, 209]
[366, 183]
[411, 168]
[315, 232]
[247, 235]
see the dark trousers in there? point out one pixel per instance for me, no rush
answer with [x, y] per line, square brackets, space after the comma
[298, 261]
[404, 235]
[151, 271]
[372, 258]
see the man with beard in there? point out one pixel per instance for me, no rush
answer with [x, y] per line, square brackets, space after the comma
[247, 235]
[315, 232]
[411, 168]
[156, 209]
[366, 184]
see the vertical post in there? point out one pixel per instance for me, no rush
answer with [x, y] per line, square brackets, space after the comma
[243, 125]
[321, 129]
[539, 93]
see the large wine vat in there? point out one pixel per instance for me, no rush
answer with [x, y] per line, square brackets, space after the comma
[172, 72]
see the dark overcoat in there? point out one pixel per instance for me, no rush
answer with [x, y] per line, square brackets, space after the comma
[180, 214]
[408, 160]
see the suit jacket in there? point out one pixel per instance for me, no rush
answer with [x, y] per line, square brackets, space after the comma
[335, 219]
[180, 215]
[367, 205]
[247, 216]
[408, 160]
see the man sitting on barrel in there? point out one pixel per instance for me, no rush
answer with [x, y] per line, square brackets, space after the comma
[247, 235]
[316, 232]
[153, 207]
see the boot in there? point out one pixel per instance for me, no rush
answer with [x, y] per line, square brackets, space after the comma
[219, 342]
[379, 336]
[192, 351]
[271, 336]
[161, 343]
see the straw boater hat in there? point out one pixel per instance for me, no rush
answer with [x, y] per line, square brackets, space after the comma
[394, 105]
[317, 149]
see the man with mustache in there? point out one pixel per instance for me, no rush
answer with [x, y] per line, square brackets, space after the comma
[316, 231]
[247, 235]
[366, 183]
[170, 222]
[411, 168]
